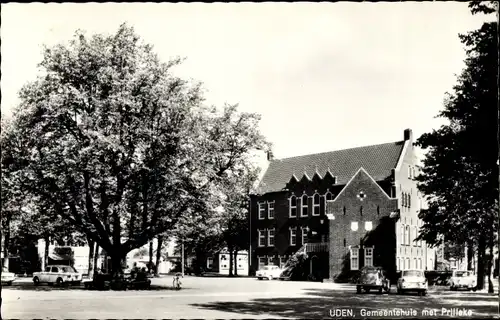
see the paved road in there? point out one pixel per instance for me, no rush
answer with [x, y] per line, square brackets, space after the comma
[237, 298]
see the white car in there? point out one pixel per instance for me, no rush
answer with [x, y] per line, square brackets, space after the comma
[269, 272]
[8, 278]
[463, 279]
[57, 274]
[412, 280]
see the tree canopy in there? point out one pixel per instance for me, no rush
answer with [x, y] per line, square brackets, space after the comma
[122, 149]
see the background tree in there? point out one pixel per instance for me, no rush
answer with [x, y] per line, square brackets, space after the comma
[120, 147]
[460, 172]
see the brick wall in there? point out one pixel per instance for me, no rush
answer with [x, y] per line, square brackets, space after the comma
[376, 207]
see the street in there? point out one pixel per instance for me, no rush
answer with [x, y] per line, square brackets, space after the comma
[239, 298]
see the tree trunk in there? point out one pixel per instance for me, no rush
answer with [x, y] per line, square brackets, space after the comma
[90, 270]
[5, 264]
[490, 264]
[116, 263]
[470, 253]
[481, 248]
[151, 254]
[236, 262]
[158, 254]
[230, 250]
[45, 261]
[96, 257]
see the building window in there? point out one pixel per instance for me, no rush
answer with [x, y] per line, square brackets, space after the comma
[369, 257]
[328, 197]
[354, 226]
[270, 260]
[415, 263]
[408, 264]
[262, 238]
[409, 200]
[304, 235]
[262, 210]
[354, 258]
[316, 204]
[401, 235]
[361, 211]
[345, 242]
[210, 263]
[270, 210]
[408, 240]
[419, 263]
[293, 237]
[415, 235]
[403, 199]
[344, 210]
[409, 172]
[270, 237]
[293, 207]
[283, 261]
[398, 263]
[304, 206]
[262, 262]
[368, 225]
[378, 210]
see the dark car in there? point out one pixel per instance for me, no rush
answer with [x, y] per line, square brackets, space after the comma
[373, 278]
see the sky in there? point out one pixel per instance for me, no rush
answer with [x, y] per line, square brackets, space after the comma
[323, 76]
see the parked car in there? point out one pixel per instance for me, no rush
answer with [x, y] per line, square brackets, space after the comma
[8, 278]
[269, 272]
[412, 281]
[57, 274]
[463, 280]
[373, 278]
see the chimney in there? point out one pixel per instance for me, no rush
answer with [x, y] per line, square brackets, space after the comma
[270, 156]
[408, 135]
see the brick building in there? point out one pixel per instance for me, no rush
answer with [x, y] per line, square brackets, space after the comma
[346, 209]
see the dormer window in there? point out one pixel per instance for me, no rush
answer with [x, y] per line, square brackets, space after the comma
[293, 207]
[316, 204]
[304, 206]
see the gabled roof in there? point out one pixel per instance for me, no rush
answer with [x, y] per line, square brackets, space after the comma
[377, 160]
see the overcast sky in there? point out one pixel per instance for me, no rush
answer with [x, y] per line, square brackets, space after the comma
[323, 76]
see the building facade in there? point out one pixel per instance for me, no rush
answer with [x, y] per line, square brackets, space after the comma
[345, 209]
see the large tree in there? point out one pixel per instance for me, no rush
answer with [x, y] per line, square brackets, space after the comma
[460, 172]
[120, 147]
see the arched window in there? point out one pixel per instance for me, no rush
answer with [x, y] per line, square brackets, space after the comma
[328, 196]
[293, 207]
[305, 205]
[316, 204]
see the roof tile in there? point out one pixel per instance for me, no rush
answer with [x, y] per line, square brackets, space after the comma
[377, 160]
